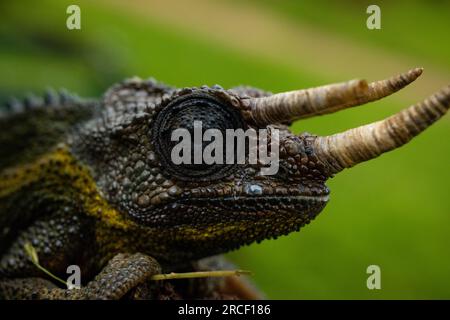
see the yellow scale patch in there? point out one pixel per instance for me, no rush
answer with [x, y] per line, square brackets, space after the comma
[59, 167]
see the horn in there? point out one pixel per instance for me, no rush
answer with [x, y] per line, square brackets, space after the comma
[293, 105]
[346, 149]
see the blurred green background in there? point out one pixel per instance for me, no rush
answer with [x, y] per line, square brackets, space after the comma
[393, 211]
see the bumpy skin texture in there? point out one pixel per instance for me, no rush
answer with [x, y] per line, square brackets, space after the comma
[87, 185]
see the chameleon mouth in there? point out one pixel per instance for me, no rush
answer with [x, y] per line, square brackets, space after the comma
[250, 204]
[276, 198]
[239, 207]
[252, 197]
[322, 198]
[258, 191]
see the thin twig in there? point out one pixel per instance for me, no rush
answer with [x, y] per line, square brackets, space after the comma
[31, 251]
[199, 274]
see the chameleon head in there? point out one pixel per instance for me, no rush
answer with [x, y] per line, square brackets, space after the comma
[211, 207]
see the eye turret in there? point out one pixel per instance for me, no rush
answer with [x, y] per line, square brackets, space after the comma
[185, 113]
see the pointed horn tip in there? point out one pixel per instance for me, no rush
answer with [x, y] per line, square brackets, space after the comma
[416, 72]
[408, 76]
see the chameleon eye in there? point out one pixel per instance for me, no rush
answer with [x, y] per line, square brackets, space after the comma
[187, 113]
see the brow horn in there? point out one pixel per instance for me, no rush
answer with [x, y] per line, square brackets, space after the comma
[293, 105]
[346, 149]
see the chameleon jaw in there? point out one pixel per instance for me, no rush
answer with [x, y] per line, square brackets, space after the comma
[211, 210]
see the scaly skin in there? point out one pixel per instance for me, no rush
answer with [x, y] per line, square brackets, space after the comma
[87, 183]
[95, 188]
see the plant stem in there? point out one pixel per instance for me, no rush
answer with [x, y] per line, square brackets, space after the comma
[199, 274]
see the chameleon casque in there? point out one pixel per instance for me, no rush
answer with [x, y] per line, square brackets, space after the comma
[89, 182]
